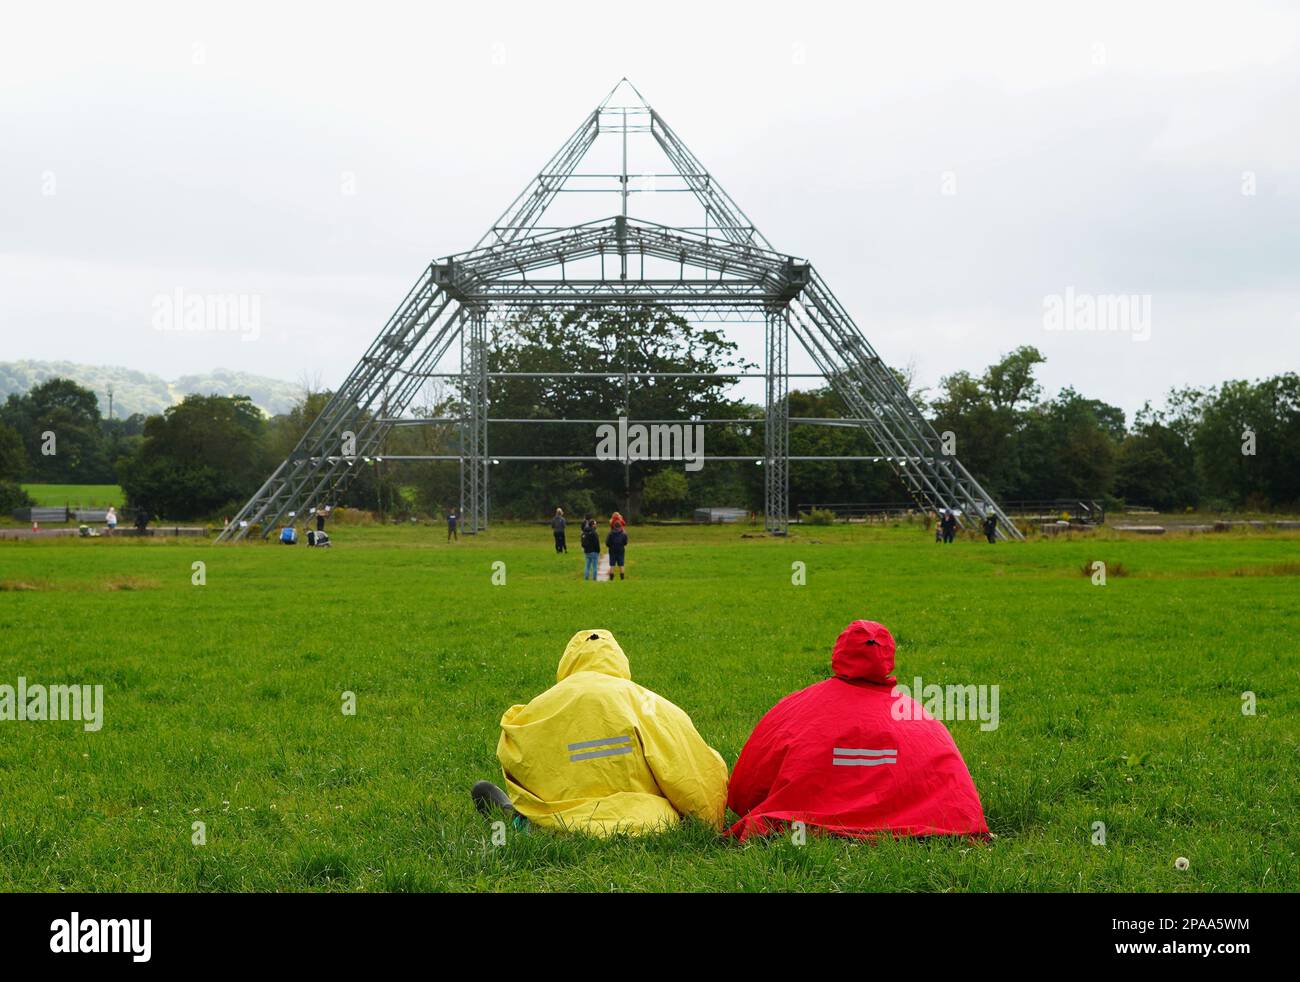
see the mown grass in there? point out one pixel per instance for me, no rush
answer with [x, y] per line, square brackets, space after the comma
[1119, 704]
[75, 495]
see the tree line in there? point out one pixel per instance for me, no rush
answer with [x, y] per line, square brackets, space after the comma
[1229, 446]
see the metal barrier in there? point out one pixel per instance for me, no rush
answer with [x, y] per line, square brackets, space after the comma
[44, 514]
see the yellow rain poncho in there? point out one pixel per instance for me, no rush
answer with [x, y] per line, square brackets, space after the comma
[598, 753]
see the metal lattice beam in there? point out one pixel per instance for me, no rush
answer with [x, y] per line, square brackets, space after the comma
[347, 430]
[776, 430]
[474, 392]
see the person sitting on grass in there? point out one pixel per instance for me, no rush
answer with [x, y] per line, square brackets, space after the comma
[853, 757]
[616, 543]
[599, 754]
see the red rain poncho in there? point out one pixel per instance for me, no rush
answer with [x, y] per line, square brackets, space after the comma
[848, 756]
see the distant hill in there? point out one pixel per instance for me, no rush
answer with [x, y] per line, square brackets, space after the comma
[140, 392]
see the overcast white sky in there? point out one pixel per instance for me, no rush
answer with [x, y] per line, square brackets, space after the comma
[1104, 148]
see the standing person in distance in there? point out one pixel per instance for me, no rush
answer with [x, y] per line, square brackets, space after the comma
[557, 528]
[949, 525]
[453, 520]
[616, 543]
[991, 528]
[590, 549]
[110, 520]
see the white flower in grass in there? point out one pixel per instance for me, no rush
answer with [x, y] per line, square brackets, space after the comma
[1181, 863]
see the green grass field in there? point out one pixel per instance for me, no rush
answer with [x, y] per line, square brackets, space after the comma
[1119, 704]
[76, 495]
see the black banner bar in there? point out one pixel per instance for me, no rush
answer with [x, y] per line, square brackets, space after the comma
[945, 932]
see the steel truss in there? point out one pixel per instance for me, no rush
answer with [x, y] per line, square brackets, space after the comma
[776, 427]
[474, 389]
[723, 269]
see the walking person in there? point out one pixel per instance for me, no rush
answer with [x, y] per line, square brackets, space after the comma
[557, 528]
[453, 520]
[949, 525]
[590, 548]
[616, 543]
[110, 520]
[991, 528]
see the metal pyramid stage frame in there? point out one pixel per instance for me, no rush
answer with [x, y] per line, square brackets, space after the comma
[719, 269]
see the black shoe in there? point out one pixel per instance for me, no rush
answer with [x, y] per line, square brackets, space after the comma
[488, 796]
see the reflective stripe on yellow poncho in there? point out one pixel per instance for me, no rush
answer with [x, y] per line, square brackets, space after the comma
[598, 753]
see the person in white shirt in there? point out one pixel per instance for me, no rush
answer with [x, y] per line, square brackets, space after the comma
[110, 520]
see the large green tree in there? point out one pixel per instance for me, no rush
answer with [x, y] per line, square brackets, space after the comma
[1067, 448]
[831, 482]
[1156, 465]
[987, 414]
[13, 465]
[1022, 446]
[1247, 442]
[59, 424]
[203, 456]
[626, 341]
[13, 456]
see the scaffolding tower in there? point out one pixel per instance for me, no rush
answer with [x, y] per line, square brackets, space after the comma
[720, 268]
